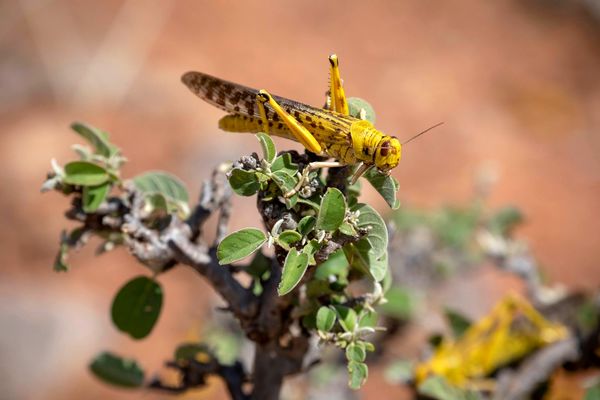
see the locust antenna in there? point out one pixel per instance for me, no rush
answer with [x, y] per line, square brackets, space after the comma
[421, 133]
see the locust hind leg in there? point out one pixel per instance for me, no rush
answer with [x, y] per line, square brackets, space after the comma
[336, 99]
[299, 132]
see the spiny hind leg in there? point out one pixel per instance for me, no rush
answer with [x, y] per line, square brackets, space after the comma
[313, 166]
[336, 97]
[298, 131]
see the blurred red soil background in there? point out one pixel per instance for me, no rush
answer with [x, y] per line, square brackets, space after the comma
[516, 82]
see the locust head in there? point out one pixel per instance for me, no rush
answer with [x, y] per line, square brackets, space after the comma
[388, 154]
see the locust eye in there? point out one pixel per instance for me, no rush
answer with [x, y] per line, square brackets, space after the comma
[385, 148]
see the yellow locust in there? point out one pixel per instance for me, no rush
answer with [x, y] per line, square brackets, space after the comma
[509, 332]
[329, 131]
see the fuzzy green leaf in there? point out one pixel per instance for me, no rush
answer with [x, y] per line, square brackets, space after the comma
[377, 235]
[347, 317]
[306, 225]
[347, 229]
[267, 145]
[593, 392]
[386, 185]
[244, 183]
[286, 238]
[355, 104]
[84, 173]
[285, 182]
[368, 319]
[240, 244]
[93, 196]
[358, 373]
[361, 257]
[259, 265]
[505, 219]
[336, 265]
[293, 270]
[117, 371]
[325, 319]
[96, 137]
[332, 210]
[136, 306]
[311, 248]
[284, 164]
[166, 184]
[356, 353]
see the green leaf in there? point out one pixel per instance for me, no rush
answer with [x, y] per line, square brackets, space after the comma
[401, 303]
[84, 173]
[315, 206]
[347, 317]
[358, 373]
[136, 306]
[157, 202]
[386, 185]
[286, 238]
[259, 265]
[332, 210]
[306, 225]
[368, 319]
[347, 229]
[118, 371]
[171, 187]
[593, 393]
[355, 104]
[293, 270]
[356, 353]
[310, 249]
[377, 235]
[285, 182]
[284, 164]
[325, 319]
[189, 351]
[267, 145]
[438, 388]
[244, 183]
[240, 244]
[96, 137]
[336, 265]
[505, 219]
[93, 196]
[361, 256]
[458, 322]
